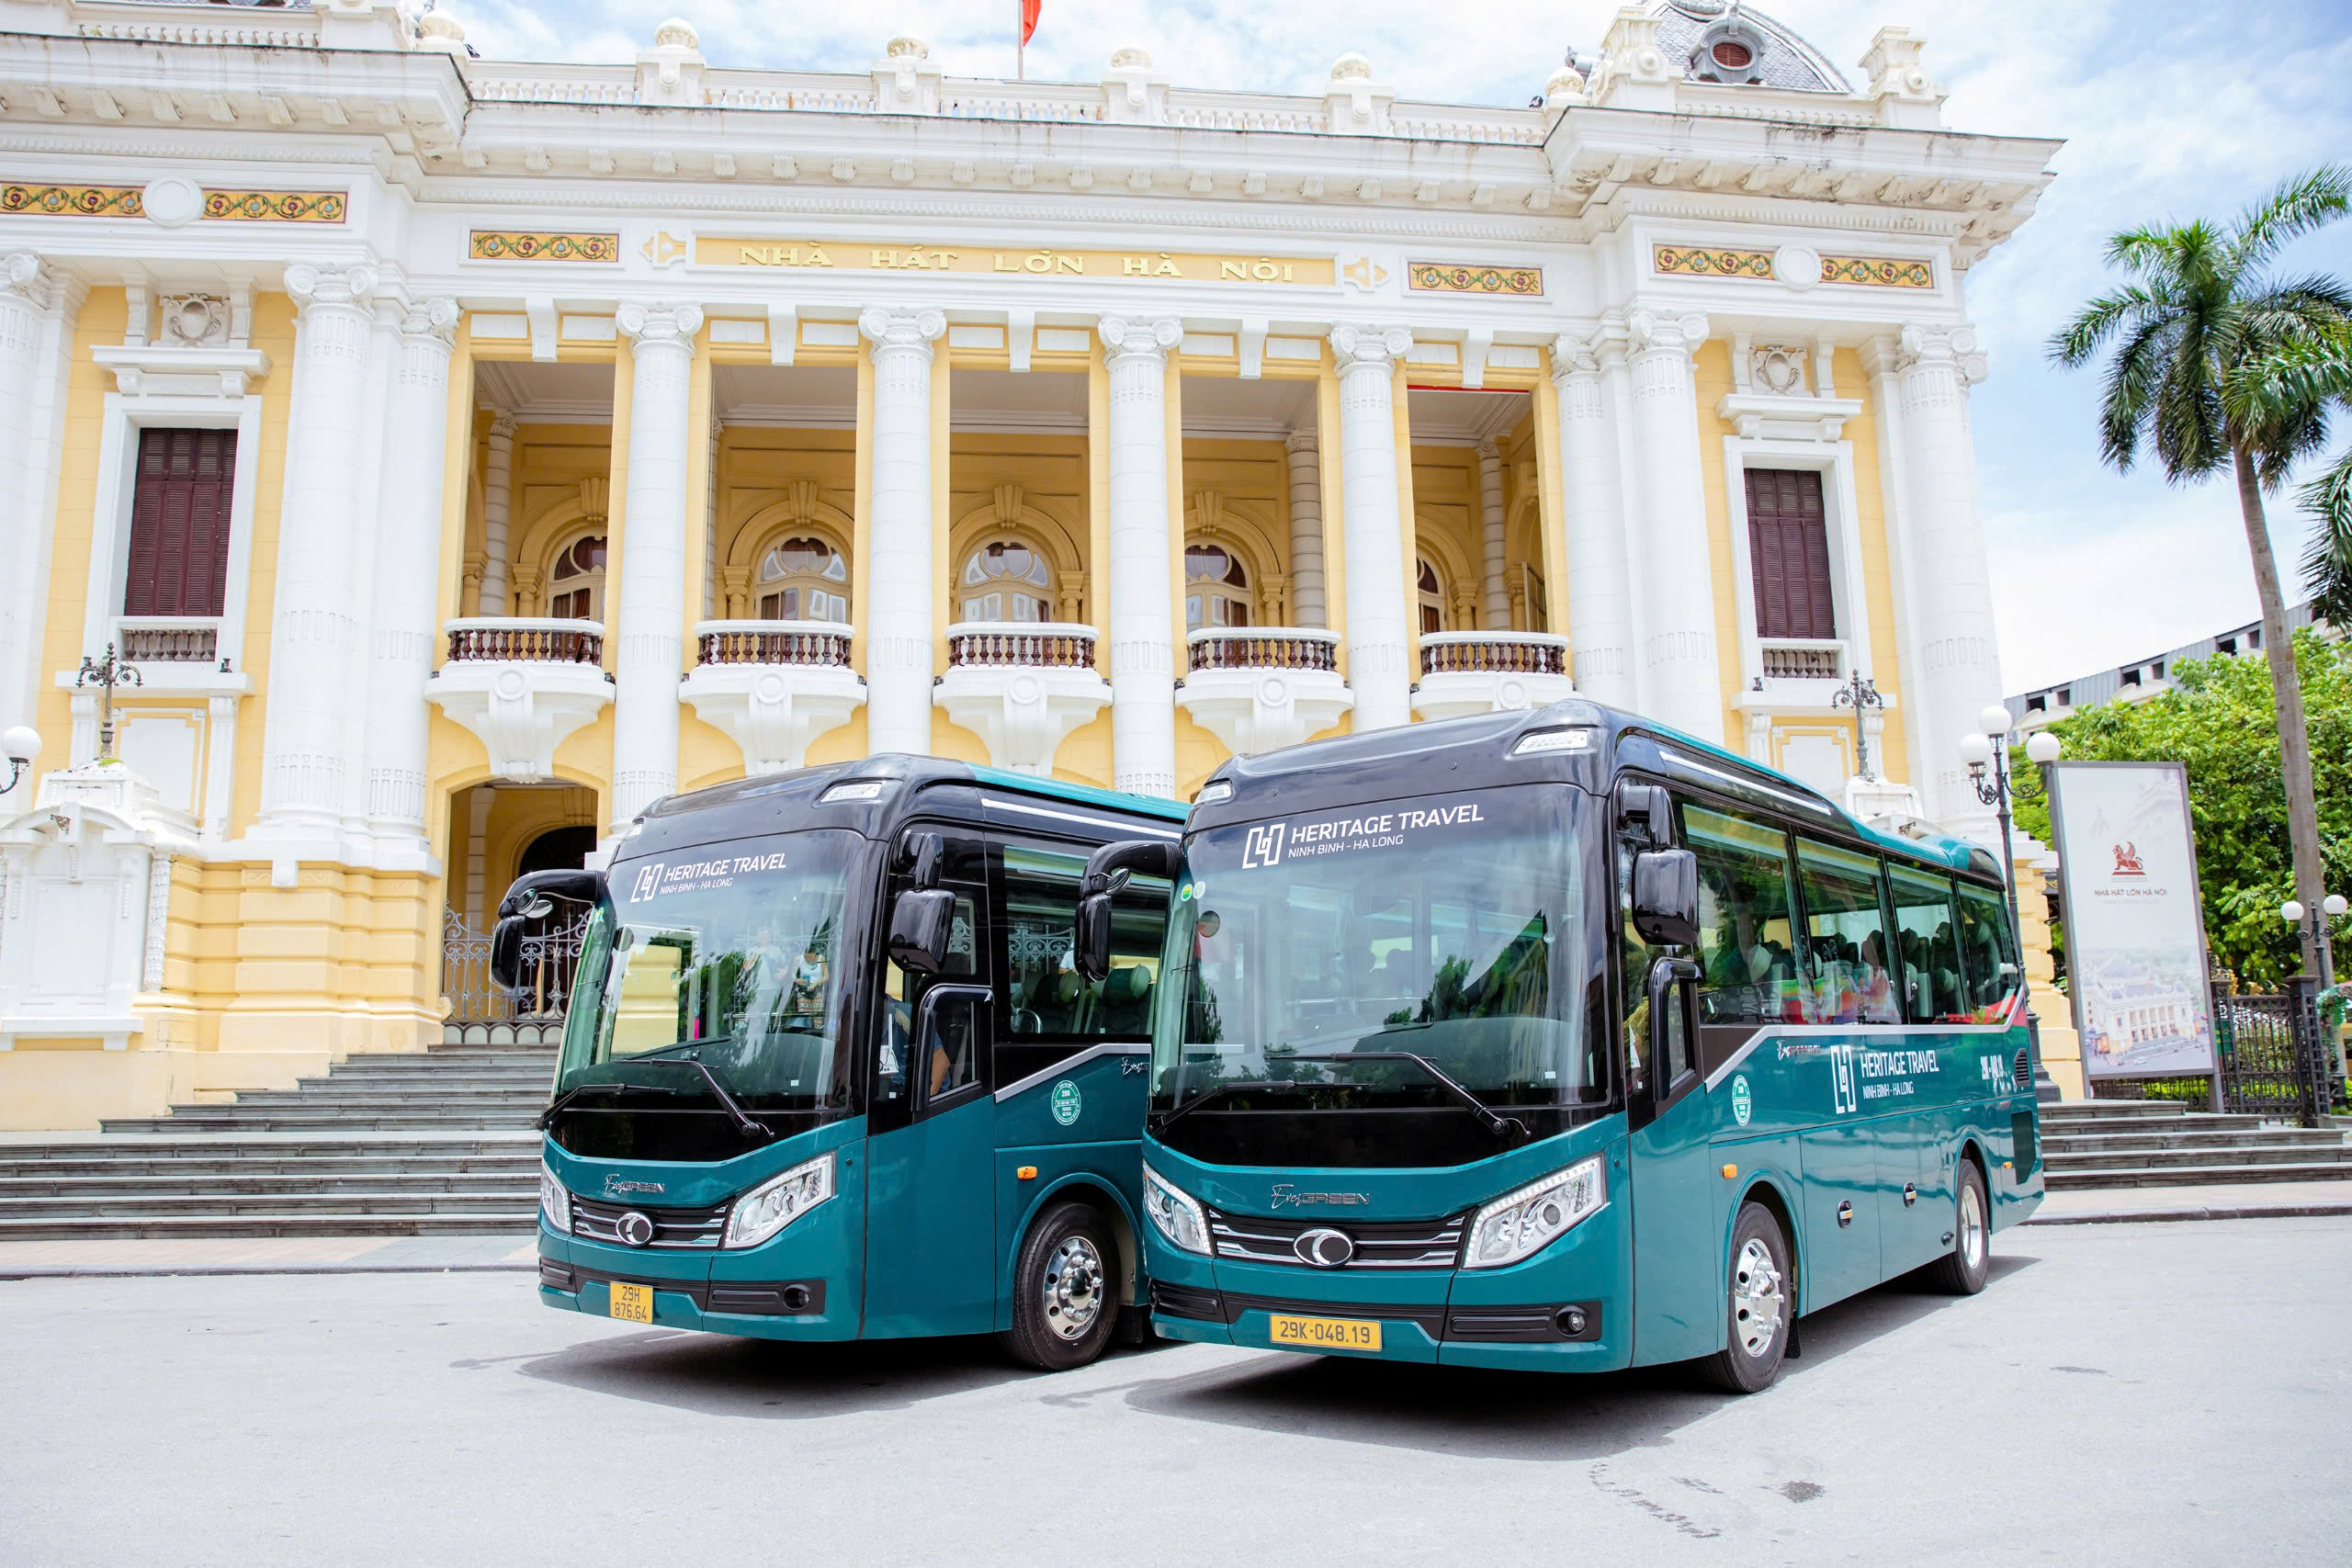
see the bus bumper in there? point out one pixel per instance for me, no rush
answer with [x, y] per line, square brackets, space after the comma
[1569, 1308]
[802, 1284]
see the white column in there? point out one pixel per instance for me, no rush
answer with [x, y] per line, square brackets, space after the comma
[303, 765]
[24, 297]
[1600, 592]
[407, 569]
[1372, 527]
[898, 630]
[372, 514]
[1490, 506]
[1681, 683]
[1957, 675]
[651, 589]
[1306, 530]
[497, 494]
[1143, 629]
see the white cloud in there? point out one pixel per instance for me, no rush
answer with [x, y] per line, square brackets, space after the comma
[2170, 109]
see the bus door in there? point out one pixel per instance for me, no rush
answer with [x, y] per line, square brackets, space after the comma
[930, 1219]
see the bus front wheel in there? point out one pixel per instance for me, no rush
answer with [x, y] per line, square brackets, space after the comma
[1760, 1303]
[1065, 1290]
[1963, 1270]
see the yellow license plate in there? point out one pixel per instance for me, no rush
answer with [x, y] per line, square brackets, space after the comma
[632, 1304]
[1325, 1333]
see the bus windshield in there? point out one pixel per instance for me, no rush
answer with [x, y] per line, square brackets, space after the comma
[1395, 954]
[728, 956]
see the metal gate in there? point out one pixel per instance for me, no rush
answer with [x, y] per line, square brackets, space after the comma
[2274, 1060]
[481, 1011]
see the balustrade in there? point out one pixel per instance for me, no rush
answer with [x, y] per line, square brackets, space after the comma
[508, 640]
[817, 644]
[1049, 644]
[1795, 659]
[1493, 653]
[1263, 648]
[168, 639]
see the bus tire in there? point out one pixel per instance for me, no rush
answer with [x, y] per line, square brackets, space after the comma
[1065, 1290]
[1963, 1270]
[1759, 1306]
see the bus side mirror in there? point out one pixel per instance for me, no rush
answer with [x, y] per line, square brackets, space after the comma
[1646, 812]
[530, 895]
[920, 924]
[1665, 896]
[921, 854]
[1090, 942]
[506, 952]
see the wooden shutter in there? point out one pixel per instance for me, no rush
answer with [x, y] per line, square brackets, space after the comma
[1788, 554]
[179, 523]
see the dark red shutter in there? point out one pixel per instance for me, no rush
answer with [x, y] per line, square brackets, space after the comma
[1788, 554]
[178, 561]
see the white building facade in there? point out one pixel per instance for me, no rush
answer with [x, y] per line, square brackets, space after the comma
[469, 452]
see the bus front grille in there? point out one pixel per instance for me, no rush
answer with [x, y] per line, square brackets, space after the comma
[673, 1228]
[1414, 1244]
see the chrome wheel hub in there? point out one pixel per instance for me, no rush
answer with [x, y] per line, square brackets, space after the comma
[1972, 1229]
[1756, 1303]
[1073, 1287]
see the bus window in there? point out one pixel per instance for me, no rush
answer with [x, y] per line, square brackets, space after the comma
[1848, 976]
[1923, 925]
[1046, 1000]
[1747, 955]
[1987, 955]
[903, 991]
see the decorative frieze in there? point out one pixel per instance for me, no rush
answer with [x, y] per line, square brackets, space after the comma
[1872, 272]
[275, 205]
[1036, 263]
[1455, 278]
[72, 201]
[492, 244]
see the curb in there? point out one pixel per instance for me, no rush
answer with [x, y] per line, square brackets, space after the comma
[2236, 1211]
[67, 1271]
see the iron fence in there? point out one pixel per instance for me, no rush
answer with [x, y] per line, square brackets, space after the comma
[2274, 1060]
[550, 954]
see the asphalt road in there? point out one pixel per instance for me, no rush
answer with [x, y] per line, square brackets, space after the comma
[2132, 1395]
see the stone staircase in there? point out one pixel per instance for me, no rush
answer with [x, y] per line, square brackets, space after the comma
[2154, 1143]
[437, 1142]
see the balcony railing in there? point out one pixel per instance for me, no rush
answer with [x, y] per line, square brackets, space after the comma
[1804, 659]
[486, 638]
[822, 644]
[1263, 648]
[169, 639]
[1051, 644]
[1493, 653]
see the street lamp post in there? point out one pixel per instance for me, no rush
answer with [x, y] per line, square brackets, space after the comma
[1862, 696]
[106, 674]
[2312, 923]
[1988, 756]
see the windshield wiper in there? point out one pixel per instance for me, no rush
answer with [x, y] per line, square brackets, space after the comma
[1499, 1125]
[576, 1091]
[742, 1119]
[1159, 1122]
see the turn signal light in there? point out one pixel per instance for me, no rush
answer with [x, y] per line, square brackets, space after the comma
[1731, 1173]
[1026, 1172]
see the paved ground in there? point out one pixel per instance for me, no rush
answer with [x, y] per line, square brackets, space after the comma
[2129, 1394]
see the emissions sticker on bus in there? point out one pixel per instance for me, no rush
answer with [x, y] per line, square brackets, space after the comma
[1270, 843]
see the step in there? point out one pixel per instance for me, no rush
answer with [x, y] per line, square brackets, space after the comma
[272, 1147]
[377, 1202]
[377, 1099]
[2108, 1143]
[153, 1227]
[131, 1187]
[296, 1119]
[422, 1078]
[2113, 1110]
[2128, 1160]
[2184, 1121]
[205, 1165]
[2194, 1176]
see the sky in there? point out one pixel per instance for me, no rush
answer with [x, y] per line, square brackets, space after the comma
[2170, 109]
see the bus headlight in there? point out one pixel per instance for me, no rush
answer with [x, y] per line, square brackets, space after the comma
[1519, 1225]
[555, 1203]
[776, 1202]
[1174, 1216]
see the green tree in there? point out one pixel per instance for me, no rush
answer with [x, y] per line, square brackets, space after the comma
[2204, 345]
[2217, 719]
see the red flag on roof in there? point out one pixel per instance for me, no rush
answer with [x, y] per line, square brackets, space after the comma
[1029, 9]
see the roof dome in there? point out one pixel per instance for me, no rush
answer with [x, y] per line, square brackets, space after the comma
[1721, 40]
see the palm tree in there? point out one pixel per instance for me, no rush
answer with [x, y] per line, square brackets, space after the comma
[2204, 339]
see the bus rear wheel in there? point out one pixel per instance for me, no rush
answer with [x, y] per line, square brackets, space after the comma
[1963, 1270]
[1065, 1290]
[1759, 1306]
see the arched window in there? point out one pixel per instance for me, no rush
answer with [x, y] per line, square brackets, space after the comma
[576, 586]
[804, 579]
[1432, 598]
[1216, 589]
[1005, 580]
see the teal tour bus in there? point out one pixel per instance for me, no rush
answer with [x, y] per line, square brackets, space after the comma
[829, 1070]
[1558, 1040]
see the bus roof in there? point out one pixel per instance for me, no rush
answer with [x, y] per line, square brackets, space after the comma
[1417, 757]
[1080, 794]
